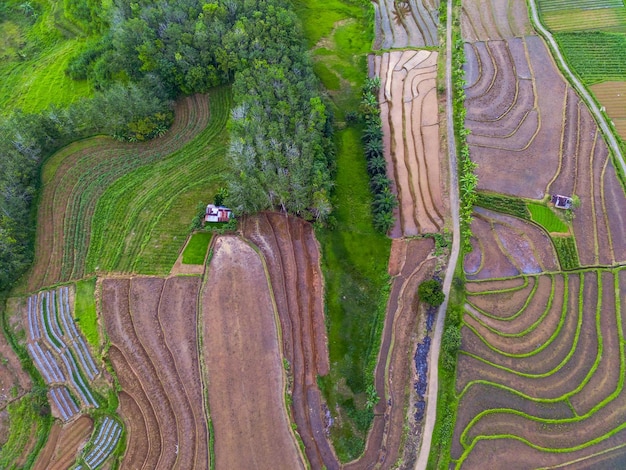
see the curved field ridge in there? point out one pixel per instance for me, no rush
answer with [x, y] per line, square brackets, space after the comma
[291, 252]
[63, 444]
[151, 323]
[406, 23]
[59, 351]
[244, 370]
[75, 178]
[409, 113]
[484, 20]
[394, 372]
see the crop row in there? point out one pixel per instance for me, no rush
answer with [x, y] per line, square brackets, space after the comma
[102, 446]
[127, 215]
[75, 178]
[64, 402]
[553, 5]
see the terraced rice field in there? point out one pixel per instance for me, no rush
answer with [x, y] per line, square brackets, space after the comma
[402, 23]
[99, 188]
[59, 352]
[245, 375]
[541, 369]
[64, 442]
[291, 253]
[583, 15]
[151, 323]
[410, 264]
[612, 95]
[485, 20]
[409, 112]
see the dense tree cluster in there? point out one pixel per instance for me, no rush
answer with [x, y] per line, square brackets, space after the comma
[150, 52]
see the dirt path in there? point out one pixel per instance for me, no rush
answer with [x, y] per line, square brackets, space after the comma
[433, 379]
[580, 88]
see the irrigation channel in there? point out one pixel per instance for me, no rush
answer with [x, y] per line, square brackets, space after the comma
[433, 380]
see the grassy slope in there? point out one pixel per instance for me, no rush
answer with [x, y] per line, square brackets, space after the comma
[85, 311]
[34, 59]
[546, 217]
[354, 256]
[195, 251]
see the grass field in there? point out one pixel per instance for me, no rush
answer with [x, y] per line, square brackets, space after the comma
[354, 256]
[33, 59]
[195, 251]
[85, 311]
[546, 217]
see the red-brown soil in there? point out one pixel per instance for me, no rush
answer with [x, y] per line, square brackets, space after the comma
[11, 372]
[244, 371]
[64, 444]
[409, 113]
[504, 304]
[494, 19]
[393, 376]
[70, 195]
[152, 326]
[498, 284]
[292, 255]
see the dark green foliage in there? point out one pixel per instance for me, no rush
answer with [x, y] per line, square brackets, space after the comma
[384, 199]
[566, 251]
[505, 204]
[430, 292]
[451, 343]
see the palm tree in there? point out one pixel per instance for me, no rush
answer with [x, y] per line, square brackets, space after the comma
[374, 148]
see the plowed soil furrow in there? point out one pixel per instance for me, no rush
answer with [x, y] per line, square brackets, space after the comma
[504, 305]
[292, 255]
[177, 311]
[145, 299]
[122, 333]
[393, 371]
[73, 437]
[614, 201]
[244, 371]
[494, 19]
[138, 445]
[495, 263]
[515, 283]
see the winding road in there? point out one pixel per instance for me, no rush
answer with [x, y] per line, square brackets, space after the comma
[578, 86]
[433, 379]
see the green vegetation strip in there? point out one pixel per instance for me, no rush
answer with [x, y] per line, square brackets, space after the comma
[85, 311]
[566, 252]
[195, 251]
[504, 204]
[546, 217]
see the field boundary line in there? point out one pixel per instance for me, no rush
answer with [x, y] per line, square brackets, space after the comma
[578, 86]
[433, 365]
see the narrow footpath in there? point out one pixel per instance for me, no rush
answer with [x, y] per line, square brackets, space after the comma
[433, 363]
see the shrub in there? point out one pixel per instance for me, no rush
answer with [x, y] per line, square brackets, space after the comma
[431, 292]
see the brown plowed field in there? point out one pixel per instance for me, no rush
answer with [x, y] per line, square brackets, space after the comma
[11, 372]
[244, 371]
[152, 326]
[393, 376]
[503, 304]
[515, 283]
[612, 95]
[409, 112]
[70, 193]
[63, 445]
[292, 255]
[406, 23]
[482, 20]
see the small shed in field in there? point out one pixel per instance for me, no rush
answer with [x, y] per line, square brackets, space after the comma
[217, 213]
[562, 202]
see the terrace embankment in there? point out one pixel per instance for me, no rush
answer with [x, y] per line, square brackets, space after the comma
[245, 376]
[494, 19]
[151, 323]
[406, 23]
[410, 120]
[292, 255]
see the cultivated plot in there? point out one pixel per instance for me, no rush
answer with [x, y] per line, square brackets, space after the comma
[63, 445]
[577, 15]
[410, 117]
[244, 369]
[406, 23]
[494, 19]
[151, 323]
[612, 96]
[292, 255]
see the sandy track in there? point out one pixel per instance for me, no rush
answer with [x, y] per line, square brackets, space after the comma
[151, 323]
[402, 23]
[244, 371]
[292, 255]
[393, 372]
[409, 111]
